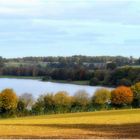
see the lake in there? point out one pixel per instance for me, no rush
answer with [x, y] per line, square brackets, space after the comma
[37, 87]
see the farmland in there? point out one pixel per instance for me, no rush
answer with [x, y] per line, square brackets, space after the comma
[103, 124]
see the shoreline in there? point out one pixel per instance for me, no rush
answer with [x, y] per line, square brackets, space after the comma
[82, 83]
[86, 82]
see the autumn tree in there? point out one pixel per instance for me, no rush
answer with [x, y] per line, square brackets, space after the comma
[136, 91]
[80, 100]
[101, 96]
[62, 101]
[121, 96]
[8, 101]
[28, 100]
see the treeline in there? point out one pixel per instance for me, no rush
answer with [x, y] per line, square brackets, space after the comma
[119, 60]
[120, 76]
[61, 102]
[108, 71]
[126, 76]
[90, 62]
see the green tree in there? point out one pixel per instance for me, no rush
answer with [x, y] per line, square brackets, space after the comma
[49, 103]
[1, 62]
[124, 82]
[39, 107]
[136, 91]
[111, 66]
[21, 107]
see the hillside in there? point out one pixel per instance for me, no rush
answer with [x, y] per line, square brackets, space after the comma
[106, 124]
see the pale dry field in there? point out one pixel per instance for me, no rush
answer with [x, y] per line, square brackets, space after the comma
[106, 124]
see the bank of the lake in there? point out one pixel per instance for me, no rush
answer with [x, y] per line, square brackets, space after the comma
[22, 77]
[85, 82]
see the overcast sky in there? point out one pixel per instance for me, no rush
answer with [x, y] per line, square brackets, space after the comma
[69, 27]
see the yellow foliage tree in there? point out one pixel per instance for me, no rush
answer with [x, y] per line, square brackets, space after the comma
[8, 100]
[101, 96]
[62, 101]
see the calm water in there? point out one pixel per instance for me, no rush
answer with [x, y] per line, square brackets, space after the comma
[37, 87]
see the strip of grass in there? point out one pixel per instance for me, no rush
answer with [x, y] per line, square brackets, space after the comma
[21, 77]
[104, 124]
[86, 82]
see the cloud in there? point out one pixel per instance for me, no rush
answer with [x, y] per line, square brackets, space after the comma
[19, 8]
[84, 25]
[122, 11]
[19, 3]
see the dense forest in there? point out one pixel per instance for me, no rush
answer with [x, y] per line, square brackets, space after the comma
[99, 70]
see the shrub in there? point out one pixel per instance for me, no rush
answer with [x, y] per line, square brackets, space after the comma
[46, 78]
[94, 81]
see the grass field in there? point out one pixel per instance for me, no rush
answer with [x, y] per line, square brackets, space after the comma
[108, 124]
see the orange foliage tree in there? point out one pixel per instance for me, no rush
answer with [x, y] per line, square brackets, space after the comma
[122, 96]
